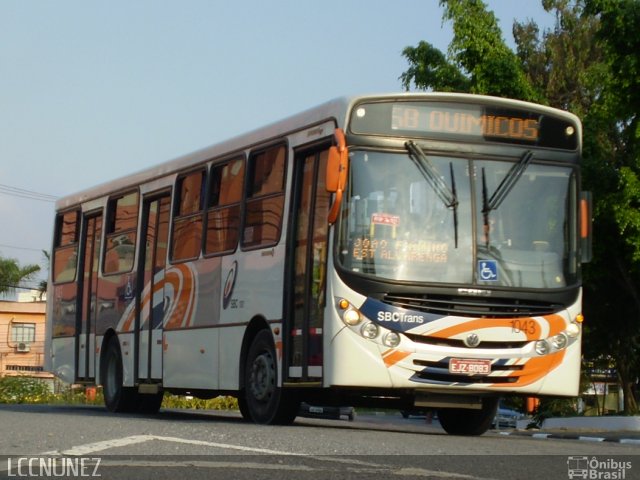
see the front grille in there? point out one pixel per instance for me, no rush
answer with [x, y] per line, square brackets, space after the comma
[438, 372]
[471, 306]
[452, 342]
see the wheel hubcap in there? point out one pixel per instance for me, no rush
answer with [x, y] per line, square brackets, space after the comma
[263, 378]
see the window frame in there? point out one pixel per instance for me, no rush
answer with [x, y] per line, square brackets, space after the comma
[250, 198]
[22, 328]
[58, 246]
[110, 231]
[176, 217]
[209, 208]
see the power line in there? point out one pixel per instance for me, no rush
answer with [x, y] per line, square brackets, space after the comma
[28, 194]
[22, 248]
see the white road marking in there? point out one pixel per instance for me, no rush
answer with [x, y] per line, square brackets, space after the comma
[355, 465]
[134, 439]
[99, 446]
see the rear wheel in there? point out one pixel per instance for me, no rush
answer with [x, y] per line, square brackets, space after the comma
[463, 421]
[117, 398]
[263, 400]
[149, 403]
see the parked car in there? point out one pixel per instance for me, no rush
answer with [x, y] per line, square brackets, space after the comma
[416, 412]
[336, 413]
[506, 418]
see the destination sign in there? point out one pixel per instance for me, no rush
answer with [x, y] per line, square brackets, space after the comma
[462, 121]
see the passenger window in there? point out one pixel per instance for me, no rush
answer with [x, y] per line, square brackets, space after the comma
[223, 215]
[65, 256]
[122, 224]
[187, 223]
[265, 198]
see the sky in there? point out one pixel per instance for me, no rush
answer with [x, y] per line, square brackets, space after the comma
[92, 91]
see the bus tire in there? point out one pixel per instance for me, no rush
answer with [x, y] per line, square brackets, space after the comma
[242, 406]
[266, 403]
[149, 403]
[465, 421]
[117, 398]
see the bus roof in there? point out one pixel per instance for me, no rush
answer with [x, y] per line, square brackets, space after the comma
[334, 110]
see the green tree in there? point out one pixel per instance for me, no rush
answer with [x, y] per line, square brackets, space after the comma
[478, 60]
[589, 63]
[613, 292]
[12, 274]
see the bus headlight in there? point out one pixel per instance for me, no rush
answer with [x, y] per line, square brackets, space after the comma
[391, 339]
[351, 317]
[542, 347]
[359, 323]
[573, 330]
[559, 341]
[369, 330]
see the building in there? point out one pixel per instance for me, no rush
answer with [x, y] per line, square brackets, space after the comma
[22, 333]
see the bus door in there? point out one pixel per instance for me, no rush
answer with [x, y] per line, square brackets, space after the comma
[88, 291]
[307, 269]
[151, 295]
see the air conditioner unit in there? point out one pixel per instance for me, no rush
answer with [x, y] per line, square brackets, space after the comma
[23, 347]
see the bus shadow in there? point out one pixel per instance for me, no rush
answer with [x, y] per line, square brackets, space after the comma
[361, 423]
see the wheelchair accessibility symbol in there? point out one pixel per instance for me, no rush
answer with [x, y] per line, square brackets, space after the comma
[488, 270]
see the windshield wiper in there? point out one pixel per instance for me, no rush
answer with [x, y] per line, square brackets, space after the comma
[455, 206]
[431, 174]
[485, 209]
[509, 180]
[505, 186]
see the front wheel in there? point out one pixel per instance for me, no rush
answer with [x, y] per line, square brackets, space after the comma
[264, 401]
[464, 421]
[117, 398]
[242, 406]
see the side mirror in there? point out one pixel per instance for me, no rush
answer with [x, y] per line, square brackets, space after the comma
[337, 168]
[586, 248]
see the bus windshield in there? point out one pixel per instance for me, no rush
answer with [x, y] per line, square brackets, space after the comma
[397, 224]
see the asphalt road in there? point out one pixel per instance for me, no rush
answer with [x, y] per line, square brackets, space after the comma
[68, 441]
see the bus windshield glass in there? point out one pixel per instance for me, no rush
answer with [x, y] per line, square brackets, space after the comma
[396, 222]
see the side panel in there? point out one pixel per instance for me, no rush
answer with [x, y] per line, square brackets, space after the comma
[230, 345]
[191, 358]
[62, 354]
[61, 310]
[191, 321]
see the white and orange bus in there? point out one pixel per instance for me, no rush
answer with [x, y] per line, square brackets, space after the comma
[405, 250]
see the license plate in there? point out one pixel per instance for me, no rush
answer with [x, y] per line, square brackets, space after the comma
[464, 366]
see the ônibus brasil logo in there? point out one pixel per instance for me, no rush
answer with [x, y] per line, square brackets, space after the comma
[597, 469]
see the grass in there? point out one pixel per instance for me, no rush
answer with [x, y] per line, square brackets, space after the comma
[28, 390]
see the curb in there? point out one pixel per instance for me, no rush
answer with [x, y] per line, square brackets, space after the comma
[621, 437]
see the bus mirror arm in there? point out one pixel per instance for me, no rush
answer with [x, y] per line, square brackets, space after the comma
[337, 168]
